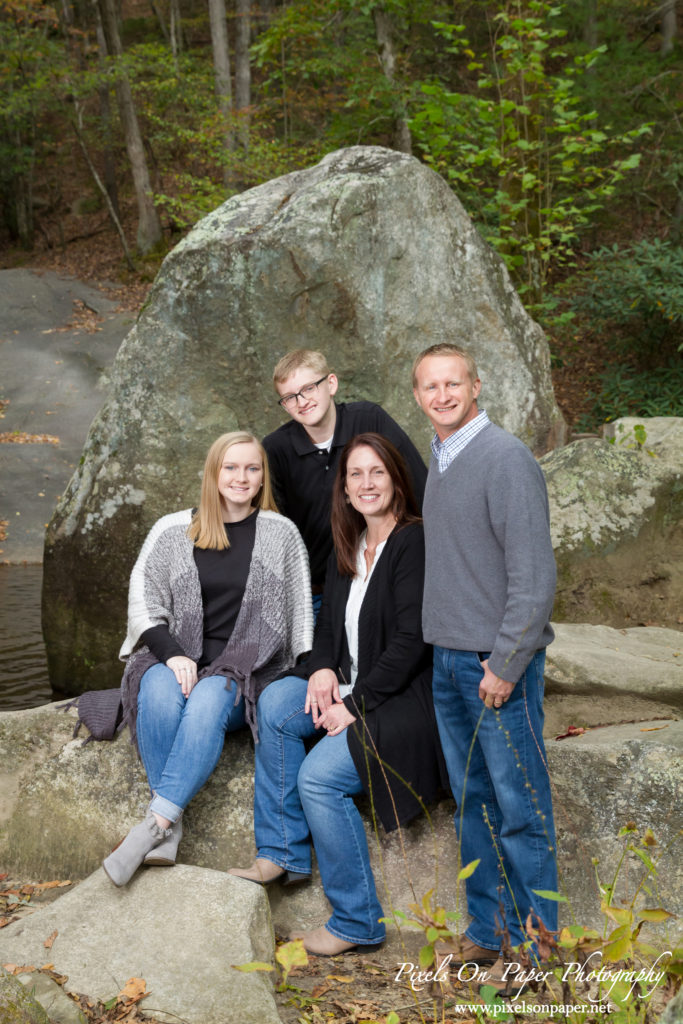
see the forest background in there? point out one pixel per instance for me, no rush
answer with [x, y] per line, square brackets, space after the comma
[559, 126]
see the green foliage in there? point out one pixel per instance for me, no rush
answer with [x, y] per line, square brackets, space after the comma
[532, 165]
[628, 969]
[639, 289]
[625, 391]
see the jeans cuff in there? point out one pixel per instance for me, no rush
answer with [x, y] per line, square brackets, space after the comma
[479, 942]
[366, 941]
[165, 809]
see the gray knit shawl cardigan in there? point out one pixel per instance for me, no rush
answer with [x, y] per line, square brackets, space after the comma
[274, 625]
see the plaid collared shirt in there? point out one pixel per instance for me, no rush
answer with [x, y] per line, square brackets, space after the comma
[445, 451]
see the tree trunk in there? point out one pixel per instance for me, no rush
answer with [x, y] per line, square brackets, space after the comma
[149, 226]
[669, 27]
[221, 68]
[590, 25]
[402, 140]
[22, 187]
[109, 158]
[77, 126]
[177, 42]
[243, 70]
[162, 23]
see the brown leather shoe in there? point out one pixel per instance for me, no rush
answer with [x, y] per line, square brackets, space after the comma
[501, 977]
[320, 942]
[263, 872]
[463, 951]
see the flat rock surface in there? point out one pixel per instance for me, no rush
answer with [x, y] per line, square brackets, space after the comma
[644, 662]
[181, 931]
[52, 365]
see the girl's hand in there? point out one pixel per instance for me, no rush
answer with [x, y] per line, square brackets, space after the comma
[336, 719]
[185, 671]
[322, 693]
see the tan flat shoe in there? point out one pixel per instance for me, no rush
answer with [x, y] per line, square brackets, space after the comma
[264, 872]
[320, 942]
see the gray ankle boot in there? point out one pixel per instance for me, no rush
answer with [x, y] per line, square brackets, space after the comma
[122, 864]
[165, 853]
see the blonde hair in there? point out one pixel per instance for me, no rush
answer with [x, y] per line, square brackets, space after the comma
[293, 361]
[207, 529]
[446, 349]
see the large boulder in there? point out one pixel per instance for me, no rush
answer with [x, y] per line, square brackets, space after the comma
[70, 804]
[181, 932]
[602, 781]
[17, 1006]
[616, 516]
[368, 256]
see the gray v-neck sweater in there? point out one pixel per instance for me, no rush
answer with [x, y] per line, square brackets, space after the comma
[490, 569]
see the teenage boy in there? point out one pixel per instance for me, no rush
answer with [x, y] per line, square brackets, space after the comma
[489, 587]
[303, 454]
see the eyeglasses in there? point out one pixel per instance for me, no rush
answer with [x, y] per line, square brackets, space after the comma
[289, 401]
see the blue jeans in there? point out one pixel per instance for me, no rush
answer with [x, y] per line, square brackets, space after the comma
[181, 740]
[505, 815]
[300, 797]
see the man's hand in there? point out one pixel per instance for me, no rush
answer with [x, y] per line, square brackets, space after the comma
[336, 719]
[322, 693]
[493, 690]
[185, 671]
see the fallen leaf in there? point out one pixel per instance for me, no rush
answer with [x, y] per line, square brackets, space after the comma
[39, 886]
[320, 990]
[19, 437]
[655, 728]
[346, 980]
[134, 990]
[7, 920]
[572, 730]
[50, 939]
[19, 969]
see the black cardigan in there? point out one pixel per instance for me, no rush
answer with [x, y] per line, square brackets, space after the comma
[392, 696]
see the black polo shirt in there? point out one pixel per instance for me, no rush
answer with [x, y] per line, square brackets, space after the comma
[303, 476]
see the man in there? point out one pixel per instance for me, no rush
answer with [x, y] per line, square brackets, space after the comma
[303, 454]
[489, 587]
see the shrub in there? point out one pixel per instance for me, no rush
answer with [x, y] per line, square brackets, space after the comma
[638, 290]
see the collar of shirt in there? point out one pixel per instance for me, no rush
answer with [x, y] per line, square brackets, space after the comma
[445, 451]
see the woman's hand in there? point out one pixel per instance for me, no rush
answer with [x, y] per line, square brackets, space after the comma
[322, 693]
[185, 671]
[336, 719]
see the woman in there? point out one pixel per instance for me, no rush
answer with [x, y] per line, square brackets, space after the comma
[219, 605]
[367, 684]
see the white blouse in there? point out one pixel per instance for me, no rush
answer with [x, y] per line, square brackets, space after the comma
[359, 585]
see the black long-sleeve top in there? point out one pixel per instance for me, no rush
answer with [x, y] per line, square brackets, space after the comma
[303, 476]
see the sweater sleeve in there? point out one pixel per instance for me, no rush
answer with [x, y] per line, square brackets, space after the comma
[404, 655]
[150, 591]
[519, 515]
[299, 610]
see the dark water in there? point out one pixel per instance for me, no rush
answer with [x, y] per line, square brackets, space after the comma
[23, 665]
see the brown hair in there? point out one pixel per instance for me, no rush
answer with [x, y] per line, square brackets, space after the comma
[293, 361]
[347, 522]
[207, 529]
[446, 349]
